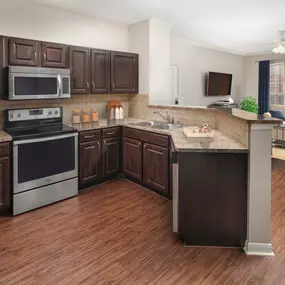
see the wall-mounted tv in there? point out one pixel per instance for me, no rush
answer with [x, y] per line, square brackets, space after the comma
[219, 84]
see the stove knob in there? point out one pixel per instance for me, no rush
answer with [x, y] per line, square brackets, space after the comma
[12, 115]
[55, 112]
[49, 113]
[19, 115]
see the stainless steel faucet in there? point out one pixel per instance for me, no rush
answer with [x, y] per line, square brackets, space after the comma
[167, 118]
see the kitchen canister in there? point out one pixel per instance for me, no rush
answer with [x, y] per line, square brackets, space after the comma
[85, 116]
[121, 113]
[76, 116]
[94, 115]
[117, 113]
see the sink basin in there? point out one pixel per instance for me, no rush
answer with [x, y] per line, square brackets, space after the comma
[158, 125]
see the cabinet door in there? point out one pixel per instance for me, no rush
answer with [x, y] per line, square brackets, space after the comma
[156, 167]
[90, 162]
[132, 161]
[54, 55]
[111, 156]
[3, 64]
[24, 52]
[79, 65]
[124, 72]
[100, 71]
[4, 184]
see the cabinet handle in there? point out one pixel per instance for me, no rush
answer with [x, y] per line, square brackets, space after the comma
[87, 85]
[94, 85]
[113, 85]
[144, 146]
[110, 133]
[35, 56]
[99, 146]
[45, 57]
[89, 137]
[90, 147]
[105, 146]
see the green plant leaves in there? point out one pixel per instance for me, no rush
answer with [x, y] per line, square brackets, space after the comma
[249, 104]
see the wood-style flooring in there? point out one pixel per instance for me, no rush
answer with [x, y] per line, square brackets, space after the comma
[120, 233]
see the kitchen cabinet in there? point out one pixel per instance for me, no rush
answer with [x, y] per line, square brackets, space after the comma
[156, 167]
[90, 162]
[3, 64]
[111, 156]
[54, 55]
[100, 71]
[4, 178]
[24, 52]
[79, 63]
[212, 198]
[124, 72]
[132, 161]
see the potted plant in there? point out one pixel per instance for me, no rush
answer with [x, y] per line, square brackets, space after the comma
[249, 104]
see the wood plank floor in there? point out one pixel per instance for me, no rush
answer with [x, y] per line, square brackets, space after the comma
[120, 233]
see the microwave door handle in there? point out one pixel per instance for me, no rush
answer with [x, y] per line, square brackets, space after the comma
[59, 87]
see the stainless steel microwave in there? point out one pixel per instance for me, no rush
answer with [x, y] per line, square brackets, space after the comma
[38, 83]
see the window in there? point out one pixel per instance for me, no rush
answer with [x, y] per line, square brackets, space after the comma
[276, 93]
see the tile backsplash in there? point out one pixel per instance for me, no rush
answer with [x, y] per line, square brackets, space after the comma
[97, 102]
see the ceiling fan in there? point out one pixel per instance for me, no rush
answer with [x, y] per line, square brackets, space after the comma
[280, 45]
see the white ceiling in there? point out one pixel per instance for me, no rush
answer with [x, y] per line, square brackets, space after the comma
[237, 26]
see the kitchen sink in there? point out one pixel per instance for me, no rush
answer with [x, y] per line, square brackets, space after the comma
[158, 125]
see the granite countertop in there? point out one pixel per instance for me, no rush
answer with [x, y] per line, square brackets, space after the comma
[250, 118]
[220, 142]
[4, 137]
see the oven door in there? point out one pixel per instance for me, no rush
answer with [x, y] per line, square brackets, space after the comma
[44, 161]
[34, 86]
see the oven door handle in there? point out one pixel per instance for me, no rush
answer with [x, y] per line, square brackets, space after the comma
[46, 139]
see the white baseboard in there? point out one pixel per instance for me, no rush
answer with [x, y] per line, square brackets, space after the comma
[260, 249]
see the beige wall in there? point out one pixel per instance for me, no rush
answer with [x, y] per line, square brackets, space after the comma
[30, 20]
[194, 62]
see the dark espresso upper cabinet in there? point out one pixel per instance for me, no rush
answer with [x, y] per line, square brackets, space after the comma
[79, 63]
[3, 64]
[24, 52]
[100, 71]
[54, 55]
[124, 72]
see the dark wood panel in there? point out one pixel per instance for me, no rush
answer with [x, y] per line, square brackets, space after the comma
[79, 61]
[24, 52]
[111, 132]
[100, 71]
[156, 168]
[4, 184]
[90, 162]
[92, 135]
[149, 137]
[111, 156]
[54, 55]
[132, 158]
[212, 198]
[3, 70]
[4, 149]
[124, 72]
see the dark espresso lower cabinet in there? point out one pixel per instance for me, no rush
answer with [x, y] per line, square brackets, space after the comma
[156, 167]
[90, 162]
[5, 201]
[132, 162]
[111, 156]
[212, 198]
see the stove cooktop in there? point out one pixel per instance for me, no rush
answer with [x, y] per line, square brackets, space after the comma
[39, 131]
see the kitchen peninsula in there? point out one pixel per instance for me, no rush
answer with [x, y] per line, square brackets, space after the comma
[216, 185]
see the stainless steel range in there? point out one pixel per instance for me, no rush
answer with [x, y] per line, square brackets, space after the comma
[45, 157]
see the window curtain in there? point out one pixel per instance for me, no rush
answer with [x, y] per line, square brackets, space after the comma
[263, 86]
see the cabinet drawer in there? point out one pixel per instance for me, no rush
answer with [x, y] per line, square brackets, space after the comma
[111, 132]
[149, 137]
[4, 149]
[90, 135]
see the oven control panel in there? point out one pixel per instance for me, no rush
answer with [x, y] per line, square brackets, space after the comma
[34, 114]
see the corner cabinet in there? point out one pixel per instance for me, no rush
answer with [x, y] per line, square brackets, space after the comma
[124, 72]
[156, 167]
[132, 162]
[3, 64]
[80, 70]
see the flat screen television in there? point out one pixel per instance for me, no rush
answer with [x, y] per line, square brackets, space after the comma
[219, 84]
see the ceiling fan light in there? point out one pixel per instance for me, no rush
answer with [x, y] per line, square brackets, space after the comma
[280, 49]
